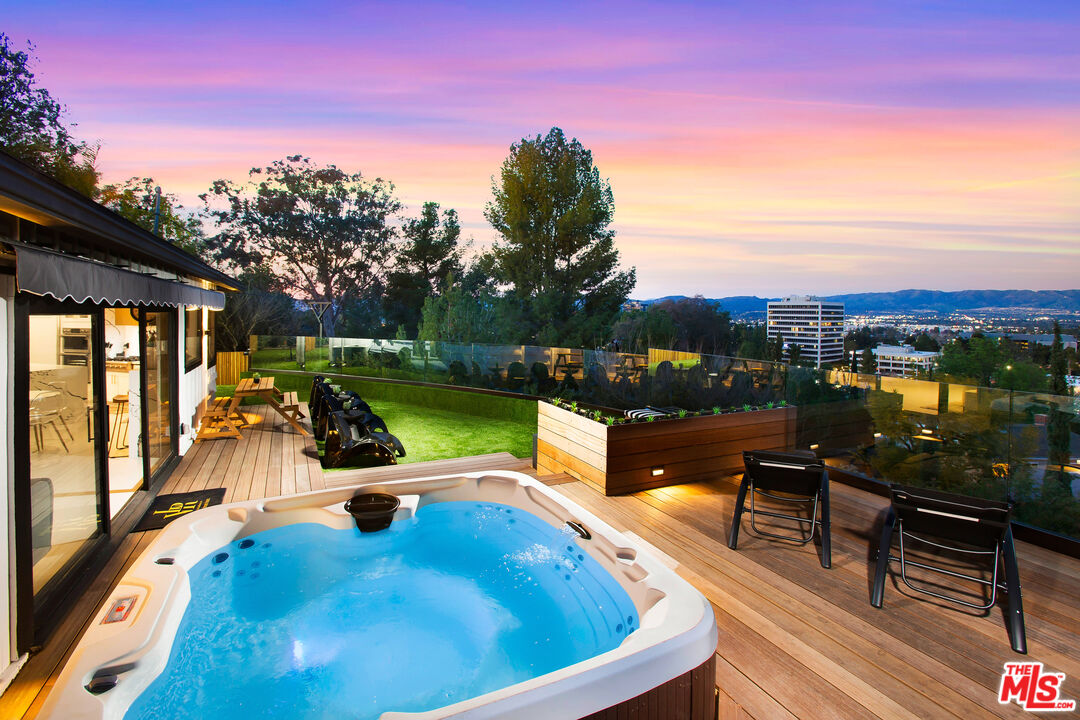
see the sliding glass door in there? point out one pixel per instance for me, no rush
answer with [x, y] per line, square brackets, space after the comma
[66, 498]
[160, 339]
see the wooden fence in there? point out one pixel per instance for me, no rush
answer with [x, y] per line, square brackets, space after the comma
[229, 367]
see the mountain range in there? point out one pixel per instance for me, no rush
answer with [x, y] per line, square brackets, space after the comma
[931, 301]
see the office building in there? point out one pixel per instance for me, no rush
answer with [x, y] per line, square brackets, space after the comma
[903, 360]
[814, 325]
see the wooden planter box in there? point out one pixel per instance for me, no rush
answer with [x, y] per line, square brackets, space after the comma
[618, 459]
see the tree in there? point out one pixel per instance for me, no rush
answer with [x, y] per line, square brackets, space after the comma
[31, 125]
[321, 232]
[429, 253]
[557, 253]
[258, 309]
[1058, 365]
[854, 361]
[1022, 376]
[754, 342]
[925, 343]
[977, 360]
[868, 362]
[776, 352]
[1057, 430]
[134, 199]
[794, 353]
[468, 311]
[688, 324]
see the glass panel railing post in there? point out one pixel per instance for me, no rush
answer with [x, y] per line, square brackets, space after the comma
[1008, 446]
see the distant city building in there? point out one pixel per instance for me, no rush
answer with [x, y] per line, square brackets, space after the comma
[903, 360]
[633, 305]
[816, 326]
[1026, 340]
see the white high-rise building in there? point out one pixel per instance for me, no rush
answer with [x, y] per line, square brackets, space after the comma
[816, 326]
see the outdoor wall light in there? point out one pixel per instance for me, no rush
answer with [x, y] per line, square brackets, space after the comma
[877, 435]
[657, 471]
[927, 431]
[814, 446]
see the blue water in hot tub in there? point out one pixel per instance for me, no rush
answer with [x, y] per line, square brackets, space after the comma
[304, 621]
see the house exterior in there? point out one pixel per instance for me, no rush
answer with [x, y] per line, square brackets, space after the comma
[816, 326]
[108, 361]
[904, 360]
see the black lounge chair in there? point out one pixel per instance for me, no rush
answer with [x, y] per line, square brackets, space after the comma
[355, 403]
[958, 524]
[319, 390]
[351, 442]
[802, 478]
[328, 404]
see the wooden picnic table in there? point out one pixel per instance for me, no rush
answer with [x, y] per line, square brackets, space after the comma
[570, 362]
[264, 388]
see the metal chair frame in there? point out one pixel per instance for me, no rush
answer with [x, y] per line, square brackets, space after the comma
[1003, 552]
[813, 521]
[818, 522]
[904, 562]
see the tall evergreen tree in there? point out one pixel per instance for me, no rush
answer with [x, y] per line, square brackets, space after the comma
[557, 253]
[1058, 366]
[794, 353]
[1057, 429]
[869, 363]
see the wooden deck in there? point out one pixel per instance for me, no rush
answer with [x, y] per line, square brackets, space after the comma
[800, 641]
[795, 640]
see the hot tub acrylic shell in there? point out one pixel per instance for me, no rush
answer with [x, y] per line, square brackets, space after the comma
[677, 631]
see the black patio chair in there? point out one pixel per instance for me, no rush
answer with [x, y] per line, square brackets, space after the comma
[801, 478]
[328, 404]
[959, 524]
[360, 441]
[356, 403]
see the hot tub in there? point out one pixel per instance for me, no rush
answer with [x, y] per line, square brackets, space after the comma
[395, 624]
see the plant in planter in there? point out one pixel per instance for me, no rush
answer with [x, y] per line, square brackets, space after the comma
[717, 410]
[746, 407]
[573, 406]
[682, 413]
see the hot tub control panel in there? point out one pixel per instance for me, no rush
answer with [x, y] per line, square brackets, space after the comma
[120, 610]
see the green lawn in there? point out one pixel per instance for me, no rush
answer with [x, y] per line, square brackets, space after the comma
[430, 434]
[429, 429]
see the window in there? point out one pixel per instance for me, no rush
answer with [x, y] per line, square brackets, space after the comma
[192, 338]
[211, 340]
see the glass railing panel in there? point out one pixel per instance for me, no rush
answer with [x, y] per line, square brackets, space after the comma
[985, 442]
[1044, 443]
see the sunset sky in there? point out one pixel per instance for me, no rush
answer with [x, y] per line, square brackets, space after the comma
[827, 147]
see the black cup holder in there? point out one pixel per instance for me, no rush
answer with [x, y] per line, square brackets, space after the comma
[373, 511]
